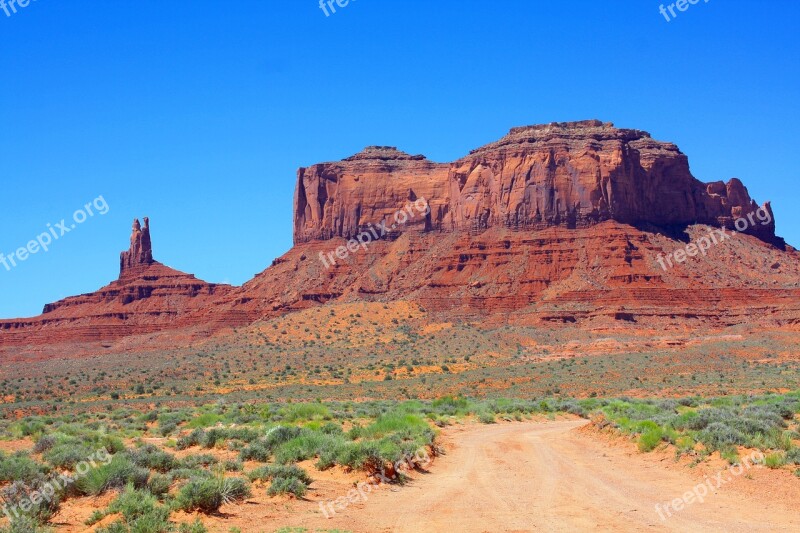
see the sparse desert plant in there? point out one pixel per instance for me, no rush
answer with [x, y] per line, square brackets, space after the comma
[793, 456]
[232, 466]
[731, 455]
[159, 485]
[195, 527]
[140, 512]
[291, 486]
[207, 495]
[719, 435]
[198, 460]
[285, 479]
[24, 524]
[485, 417]
[149, 456]
[650, 438]
[20, 467]
[256, 451]
[192, 439]
[44, 443]
[18, 495]
[272, 472]
[121, 471]
[775, 460]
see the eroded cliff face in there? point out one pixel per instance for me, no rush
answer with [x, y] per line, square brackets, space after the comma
[552, 226]
[571, 175]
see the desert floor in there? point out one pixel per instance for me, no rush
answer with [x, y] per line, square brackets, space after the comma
[557, 475]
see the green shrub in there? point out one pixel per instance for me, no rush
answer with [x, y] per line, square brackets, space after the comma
[120, 472]
[140, 512]
[775, 460]
[149, 456]
[731, 455]
[395, 423]
[195, 527]
[188, 473]
[304, 412]
[24, 525]
[192, 439]
[291, 486]
[486, 417]
[18, 495]
[20, 467]
[271, 472]
[793, 456]
[205, 420]
[159, 485]
[208, 495]
[306, 446]
[44, 443]
[281, 434]
[67, 453]
[332, 428]
[203, 459]
[256, 451]
[232, 466]
[651, 438]
[213, 437]
[718, 435]
[362, 456]
[285, 479]
[449, 405]
[95, 518]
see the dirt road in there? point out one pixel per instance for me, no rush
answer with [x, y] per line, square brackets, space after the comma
[549, 476]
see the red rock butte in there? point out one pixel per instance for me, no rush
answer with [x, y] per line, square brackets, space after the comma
[148, 297]
[571, 175]
[553, 225]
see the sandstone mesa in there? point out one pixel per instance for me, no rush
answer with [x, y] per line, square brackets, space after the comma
[556, 224]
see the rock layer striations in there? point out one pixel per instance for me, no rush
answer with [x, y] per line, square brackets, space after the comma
[571, 175]
[554, 225]
[148, 298]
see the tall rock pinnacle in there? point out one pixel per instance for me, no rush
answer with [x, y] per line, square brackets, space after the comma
[141, 250]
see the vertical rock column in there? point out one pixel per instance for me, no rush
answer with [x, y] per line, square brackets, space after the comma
[141, 251]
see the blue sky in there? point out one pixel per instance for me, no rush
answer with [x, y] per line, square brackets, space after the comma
[198, 114]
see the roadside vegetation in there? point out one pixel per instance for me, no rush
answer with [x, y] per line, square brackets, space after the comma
[197, 460]
[216, 454]
[699, 427]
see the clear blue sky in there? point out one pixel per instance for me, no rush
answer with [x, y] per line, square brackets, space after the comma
[199, 113]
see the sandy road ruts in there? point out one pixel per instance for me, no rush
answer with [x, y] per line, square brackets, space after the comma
[547, 476]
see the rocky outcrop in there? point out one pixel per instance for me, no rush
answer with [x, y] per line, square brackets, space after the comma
[607, 273]
[571, 175]
[148, 297]
[562, 224]
[141, 251]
